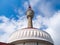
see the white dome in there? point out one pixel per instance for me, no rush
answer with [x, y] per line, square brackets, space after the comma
[30, 33]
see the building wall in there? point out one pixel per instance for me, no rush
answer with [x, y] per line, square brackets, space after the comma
[33, 43]
[1, 43]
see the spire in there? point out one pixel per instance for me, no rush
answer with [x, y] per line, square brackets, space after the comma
[29, 6]
[30, 15]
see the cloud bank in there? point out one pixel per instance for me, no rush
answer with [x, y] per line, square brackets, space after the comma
[54, 28]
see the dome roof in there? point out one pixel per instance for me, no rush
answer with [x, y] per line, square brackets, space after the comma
[30, 33]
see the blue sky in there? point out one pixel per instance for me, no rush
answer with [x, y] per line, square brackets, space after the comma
[47, 16]
[7, 7]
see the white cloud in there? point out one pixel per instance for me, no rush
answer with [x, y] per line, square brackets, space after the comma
[46, 8]
[31, 2]
[34, 2]
[54, 28]
[43, 6]
[9, 26]
[26, 4]
[3, 18]
[12, 25]
[37, 21]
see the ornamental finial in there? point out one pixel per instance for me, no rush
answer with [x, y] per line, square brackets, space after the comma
[30, 15]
